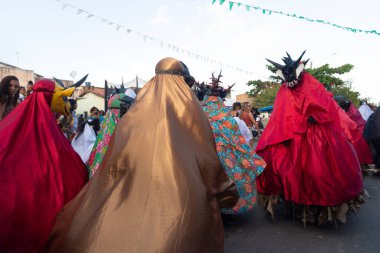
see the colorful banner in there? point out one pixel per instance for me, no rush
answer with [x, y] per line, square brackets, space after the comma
[146, 37]
[269, 12]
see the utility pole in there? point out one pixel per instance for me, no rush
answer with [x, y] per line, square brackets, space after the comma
[137, 84]
[18, 59]
[105, 95]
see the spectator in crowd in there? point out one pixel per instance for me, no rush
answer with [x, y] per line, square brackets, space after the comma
[264, 121]
[236, 109]
[29, 88]
[74, 106]
[9, 93]
[81, 120]
[22, 92]
[244, 130]
[94, 113]
[69, 124]
[257, 117]
[249, 119]
[64, 123]
[101, 116]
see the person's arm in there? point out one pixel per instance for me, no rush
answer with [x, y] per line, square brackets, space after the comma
[253, 120]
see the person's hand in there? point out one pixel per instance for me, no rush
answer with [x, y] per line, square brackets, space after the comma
[311, 120]
[286, 143]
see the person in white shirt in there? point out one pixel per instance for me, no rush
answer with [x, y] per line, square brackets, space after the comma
[84, 141]
[244, 130]
[22, 91]
[365, 110]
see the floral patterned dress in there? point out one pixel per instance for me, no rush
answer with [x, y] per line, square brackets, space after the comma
[241, 164]
[109, 123]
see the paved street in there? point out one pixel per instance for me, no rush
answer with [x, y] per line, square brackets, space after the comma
[255, 231]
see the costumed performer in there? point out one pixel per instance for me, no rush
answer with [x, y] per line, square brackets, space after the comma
[361, 146]
[118, 105]
[311, 163]
[160, 185]
[39, 170]
[372, 135]
[240, 162]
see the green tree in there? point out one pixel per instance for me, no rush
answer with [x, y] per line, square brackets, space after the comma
[346, 91]
[259, 86]
[328, 75]
[266, 97]
[264, 92]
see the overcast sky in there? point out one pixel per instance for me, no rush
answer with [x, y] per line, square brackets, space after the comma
[42, 36]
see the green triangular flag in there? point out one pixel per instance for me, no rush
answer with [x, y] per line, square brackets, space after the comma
[221, 2]
[248, 7]
[213, 1]
[231, 4]
[263, 11]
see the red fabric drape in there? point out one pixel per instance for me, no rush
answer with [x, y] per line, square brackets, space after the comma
[318, 165]
[39, 172]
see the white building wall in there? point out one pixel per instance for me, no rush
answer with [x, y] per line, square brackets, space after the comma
[89, 100]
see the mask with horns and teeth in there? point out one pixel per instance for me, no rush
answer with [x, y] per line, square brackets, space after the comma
[59, 103]
[291, 72]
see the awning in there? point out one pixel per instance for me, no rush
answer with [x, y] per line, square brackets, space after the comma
[266, 109]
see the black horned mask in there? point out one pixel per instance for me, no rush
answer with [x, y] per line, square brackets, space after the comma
[126, 103]
[291, 72]
[213, 89]
[117, 90]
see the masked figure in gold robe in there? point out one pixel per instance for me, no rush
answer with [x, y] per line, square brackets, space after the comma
[160, 186]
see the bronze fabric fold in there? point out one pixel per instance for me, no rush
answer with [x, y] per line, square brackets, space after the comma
[160, 185]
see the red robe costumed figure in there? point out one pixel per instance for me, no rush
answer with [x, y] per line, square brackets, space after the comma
[361, 146]
[39, 170]
[310, 161]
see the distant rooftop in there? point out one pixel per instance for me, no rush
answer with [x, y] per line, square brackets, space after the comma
[93, 90]
[6, 65]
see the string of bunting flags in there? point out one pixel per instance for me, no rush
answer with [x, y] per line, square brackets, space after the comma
[264, 11]
[146, 37]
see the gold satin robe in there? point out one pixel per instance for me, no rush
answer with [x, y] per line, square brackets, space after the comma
[160, 186]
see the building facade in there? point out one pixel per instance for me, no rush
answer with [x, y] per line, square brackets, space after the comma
[23, 75]
[244, 98]
[87, 97]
